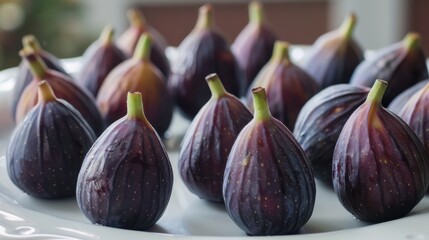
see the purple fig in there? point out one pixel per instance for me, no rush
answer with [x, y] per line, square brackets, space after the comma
[47, 148]
[380, 168]
[288, 86]
[209, 139]
[254, 45]
[269, 187]
[399, 101]
[126, 178]
[202, 52]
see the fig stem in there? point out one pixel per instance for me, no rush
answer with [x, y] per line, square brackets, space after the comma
[260, 104]
[45, 92]
[348, 26]
[37, 66]
[135, 106]
[376, 93]
[136, 18]
[281, 52]
[30, 41]
[106, 36]
[205, 17]
[144, 47]
[412, 41]
[215, 84]
[256, 13]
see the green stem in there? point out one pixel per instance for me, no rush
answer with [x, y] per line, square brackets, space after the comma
[215, 84]
[106, 36]
[136, 18]
[30, 41]
[144, 47]
[135, 106]
[376, 93]
[348, 26]
[36, 63]
[256, 13]
[205, 17]
[281, 52]
[412, 41]
[260, 104]
[45, 92]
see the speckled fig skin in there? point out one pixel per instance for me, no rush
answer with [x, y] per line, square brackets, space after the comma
[208, 141]
[47, 148]
[380, 168]
[202, 52]
[269, 187]
[64, 88]
[402, 64]
[126, 178]
[320, 122]
[399, 101]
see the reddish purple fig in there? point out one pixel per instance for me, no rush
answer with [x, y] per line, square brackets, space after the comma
[399, 101]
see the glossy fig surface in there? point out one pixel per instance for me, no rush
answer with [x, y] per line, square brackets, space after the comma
[380, 168]
[209, 139]
[320, 122]
[126, 178]
[47, 148]
[269, 187]
[399, 101]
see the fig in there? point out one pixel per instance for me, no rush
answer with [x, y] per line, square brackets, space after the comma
[126, 178]
[209, 139]
[98, 60]
[24, 75]
[380, 168]
[137, 74]
[288, 87]
[402, 64]
[128, 40]
[202, 52]
[320, 121]
[254, 45]
[64, 88]
[269, 187]
[335, 55]
[399, 101]
[47, 148]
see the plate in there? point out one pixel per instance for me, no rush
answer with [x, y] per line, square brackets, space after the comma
[186, 217]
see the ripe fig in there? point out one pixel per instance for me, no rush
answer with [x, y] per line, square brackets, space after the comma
[202, 52]
[269, 187]
[47, 148]
[288, 86]
[137, 74]
[335, 55]
[402, 64]
[127, 42]
[320, 121]
[64, 88]
[209, 139]
[98, 60]
[399, 101]
[24, 75]
[126, 178]
[254, 45]
[380, 168]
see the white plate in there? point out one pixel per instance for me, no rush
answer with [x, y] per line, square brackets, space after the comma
[186, 217]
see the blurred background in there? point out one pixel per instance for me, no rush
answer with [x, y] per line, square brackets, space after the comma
[66, 27]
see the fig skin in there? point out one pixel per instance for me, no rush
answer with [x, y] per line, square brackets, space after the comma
[209, 139]
[269, 187]
[126, 178]
[47, 148]
[399, 101]
[288, 87]
[254, 45]
[202, 52]
[380, 168]
[137, 74]
[335, 55]
[402, 64]
[320, 122]
[98, 60]
[64, 88]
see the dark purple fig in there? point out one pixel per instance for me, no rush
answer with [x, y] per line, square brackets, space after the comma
[380, 168]
[254, 45]
[127, 42]
[47, 148]
[335, 55]
[399, 101]
[288, 86]
[64, 88]
[209, 139]
[202, 52]
[126, 178]
[98, 60]
[24, 76]
[269, 187]
[320, 121]
[137, 74]
[402, 64]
